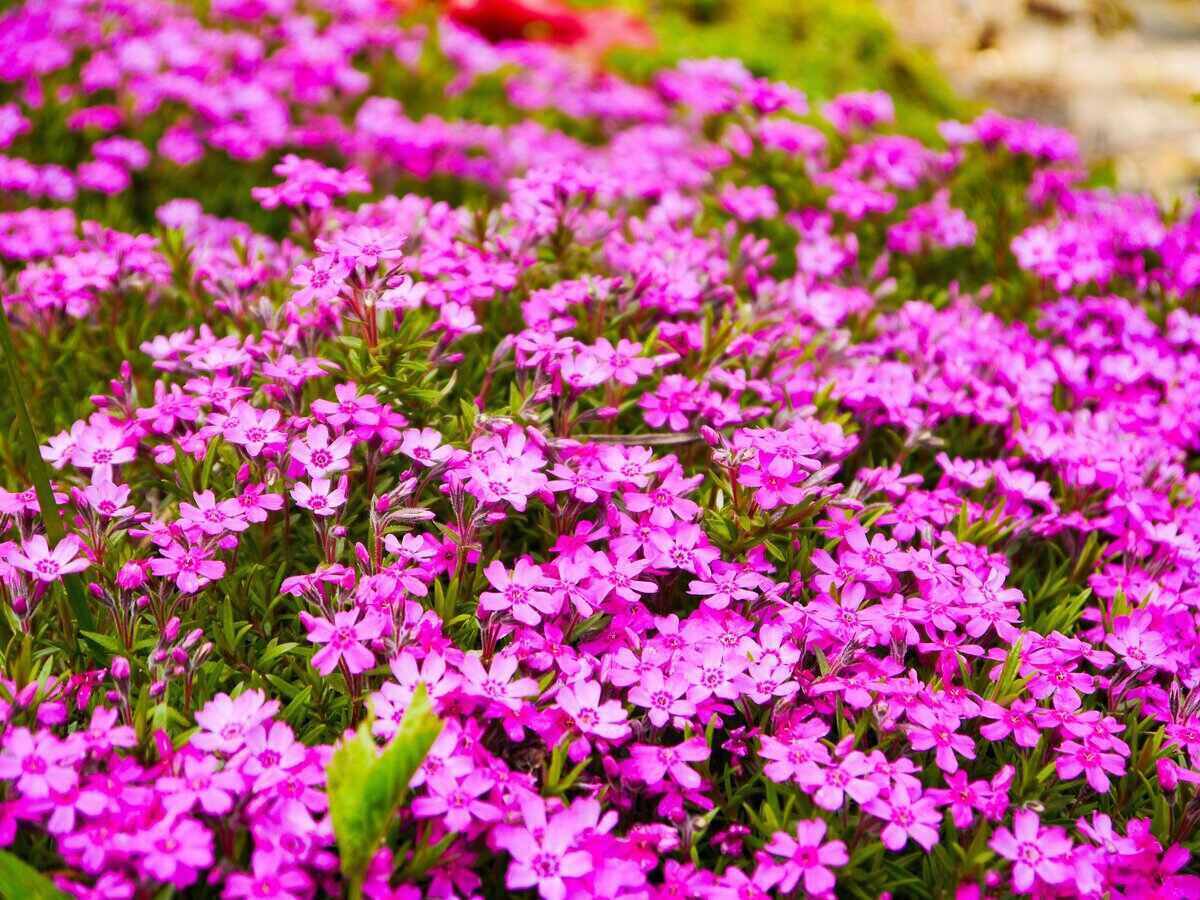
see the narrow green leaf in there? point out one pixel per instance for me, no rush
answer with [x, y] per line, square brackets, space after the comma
[20, 881]
[40, 474]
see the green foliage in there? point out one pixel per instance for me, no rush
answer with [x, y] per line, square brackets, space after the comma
[19, 881]
[366, 787]
[826, 47]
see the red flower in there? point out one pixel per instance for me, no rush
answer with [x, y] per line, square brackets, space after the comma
[552, 21]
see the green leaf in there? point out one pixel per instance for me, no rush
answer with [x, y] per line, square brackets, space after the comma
[20, 881]
[366, 787]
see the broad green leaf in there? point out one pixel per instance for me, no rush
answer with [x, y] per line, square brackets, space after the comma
[20, 881]
[366, 787]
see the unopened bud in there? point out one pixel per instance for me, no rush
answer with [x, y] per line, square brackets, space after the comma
[131, 576]
[119, 668]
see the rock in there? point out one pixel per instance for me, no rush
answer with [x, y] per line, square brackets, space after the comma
[1122, 76]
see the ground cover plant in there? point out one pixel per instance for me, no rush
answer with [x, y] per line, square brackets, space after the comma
[440, 468]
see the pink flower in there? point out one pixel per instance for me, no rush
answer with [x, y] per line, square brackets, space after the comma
[936, 729]
[807, 856]
[108, 500]
[211, 517]
[496, 683]
[425, 446]
[848, 776]
[224, 721]
[542, 852]
[1094, 762]
[318, 455]
[1035, 852]
[345, 639]
[519, 592]
[664, 697]
[192, 566]
[652, 763]
[101, 446]
[44, 564]
[255, 429]
[906, 817]
[457, 802]
[268, 880]
[200, 781]
[38, 763]
[174, 850]
[320, 498]
[350, 407]
[581, 701]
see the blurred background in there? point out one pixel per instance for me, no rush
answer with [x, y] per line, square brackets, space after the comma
[1124, 75]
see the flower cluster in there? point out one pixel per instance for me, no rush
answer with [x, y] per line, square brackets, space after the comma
[763, 509]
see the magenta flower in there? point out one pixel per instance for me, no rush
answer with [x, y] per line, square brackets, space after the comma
[255, 429]
[345, 640]
[268, 879]
[200, 781]
[44, 564]
[320, 498]
[543, 854]
[497, 684]
[455, 802]
[38, 763]
[907, 816]
[1094, 762]
[175, 850]
[937, 730]
[519, 592]
[1035, 852]
[224, 722]
[319, 455]
[851, 775]
[211, 517]
[652, 763]
[192, 567]
[663, 696]
[581, 701]
[807, 856]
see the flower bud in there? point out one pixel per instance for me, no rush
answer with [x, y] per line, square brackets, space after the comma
[119, 668]
[131, 576]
